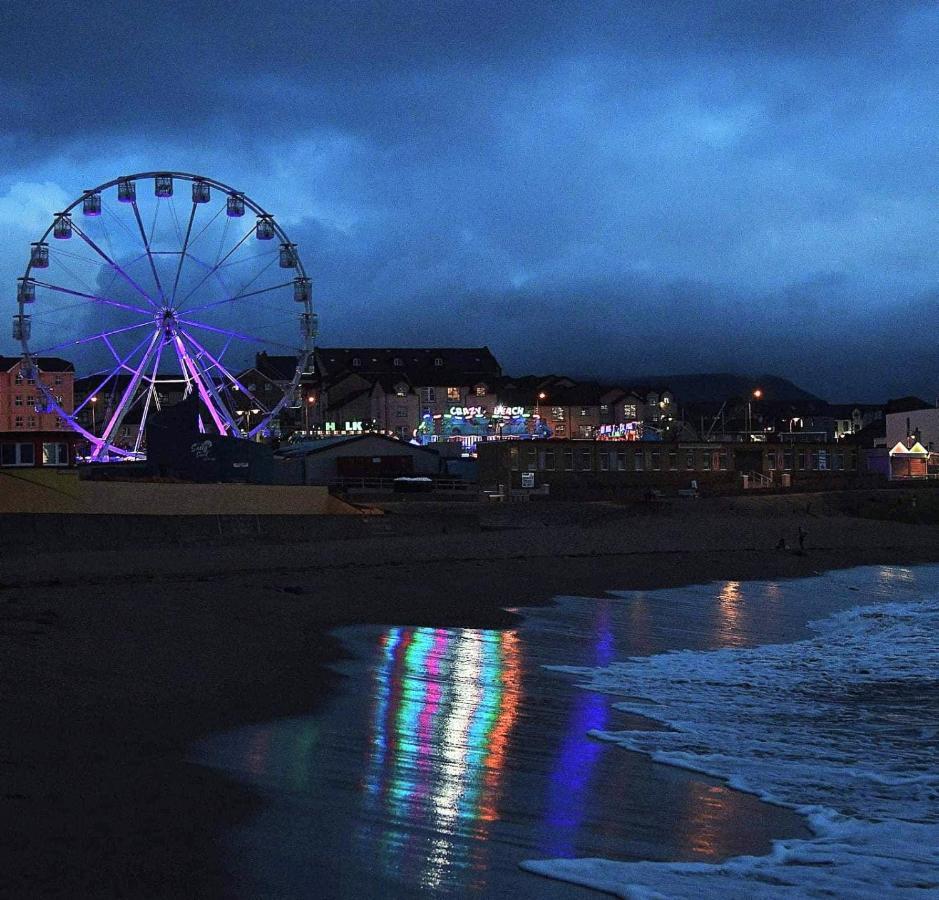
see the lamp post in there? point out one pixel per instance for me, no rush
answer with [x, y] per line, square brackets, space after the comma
[757, 393]
[94, 420]
[310, 400]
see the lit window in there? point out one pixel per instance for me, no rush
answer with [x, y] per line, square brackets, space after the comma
[583, 410]
[629, 411]
[480, 390]
[55, 454]
[453, 393]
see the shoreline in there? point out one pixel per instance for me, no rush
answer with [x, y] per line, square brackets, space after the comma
[117, 672]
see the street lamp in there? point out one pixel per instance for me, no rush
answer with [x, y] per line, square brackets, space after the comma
[757, 393]
[310, 400]
[94, 421]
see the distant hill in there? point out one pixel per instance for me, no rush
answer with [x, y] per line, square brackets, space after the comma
[720, 386]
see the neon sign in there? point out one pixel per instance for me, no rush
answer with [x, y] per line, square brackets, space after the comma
[511, 411]
[467, 412]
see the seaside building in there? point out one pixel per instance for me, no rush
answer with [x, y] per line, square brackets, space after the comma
[606, 469]
[396, 390]
[37, 449]
[22, 403]
[351, 458]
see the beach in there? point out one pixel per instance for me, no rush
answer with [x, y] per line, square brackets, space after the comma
[119, 656]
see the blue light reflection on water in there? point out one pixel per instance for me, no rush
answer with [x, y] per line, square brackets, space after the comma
[567, 802]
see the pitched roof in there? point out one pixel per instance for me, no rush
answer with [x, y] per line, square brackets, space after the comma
[906, 404]
[318, 445]
[457, 365]
[277, 368]
[45, 363]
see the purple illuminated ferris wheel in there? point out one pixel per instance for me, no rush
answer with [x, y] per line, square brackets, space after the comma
[162, 285]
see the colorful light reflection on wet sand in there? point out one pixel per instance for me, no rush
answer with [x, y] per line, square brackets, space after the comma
[445, 704]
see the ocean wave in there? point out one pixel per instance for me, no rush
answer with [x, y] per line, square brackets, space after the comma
[841, 727]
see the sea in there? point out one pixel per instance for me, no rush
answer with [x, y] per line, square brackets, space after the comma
[737, 739]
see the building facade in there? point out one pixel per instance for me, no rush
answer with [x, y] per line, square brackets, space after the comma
[612, 468]
[22, 402]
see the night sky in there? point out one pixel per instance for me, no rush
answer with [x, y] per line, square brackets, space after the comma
[603, 189]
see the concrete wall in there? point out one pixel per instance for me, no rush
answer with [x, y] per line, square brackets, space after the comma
[61, 491]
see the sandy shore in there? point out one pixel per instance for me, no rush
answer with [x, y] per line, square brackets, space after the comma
[113, 661]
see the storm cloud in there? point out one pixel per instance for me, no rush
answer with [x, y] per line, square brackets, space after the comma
[596, 188]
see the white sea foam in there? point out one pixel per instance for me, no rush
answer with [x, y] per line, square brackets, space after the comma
[841, 727]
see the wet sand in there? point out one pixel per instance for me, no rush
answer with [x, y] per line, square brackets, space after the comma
[114, 662]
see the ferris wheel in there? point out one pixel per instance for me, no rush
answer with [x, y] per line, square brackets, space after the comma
[162, 285]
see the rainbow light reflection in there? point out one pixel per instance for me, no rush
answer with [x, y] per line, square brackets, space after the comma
[445, 705]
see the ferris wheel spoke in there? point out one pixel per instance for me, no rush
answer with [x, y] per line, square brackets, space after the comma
[146, 244]
[244, 286]
[247, 338]
[94, 337]
[185, 360]
[151, 392]
[210, 385]
[114, 265]
[225, 373]
[207, 225]
[127, 398]
[95, 297]
[213, 268]
[276, 287]
[182, 255]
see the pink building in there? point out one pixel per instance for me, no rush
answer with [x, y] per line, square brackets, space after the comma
[22, 400]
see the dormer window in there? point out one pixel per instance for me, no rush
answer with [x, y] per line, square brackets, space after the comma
[356, 362]
[398, 361]
[438, 361]
[401, 389]
[480, 390]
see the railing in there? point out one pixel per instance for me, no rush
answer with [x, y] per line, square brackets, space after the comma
[759, 480]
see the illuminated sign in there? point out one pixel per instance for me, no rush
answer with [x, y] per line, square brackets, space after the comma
[625, 431]
[511, 411]
[467, 412]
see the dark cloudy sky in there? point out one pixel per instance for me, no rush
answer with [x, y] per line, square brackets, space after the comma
[604, 188]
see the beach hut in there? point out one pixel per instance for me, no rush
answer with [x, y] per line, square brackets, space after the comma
[908, 462]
